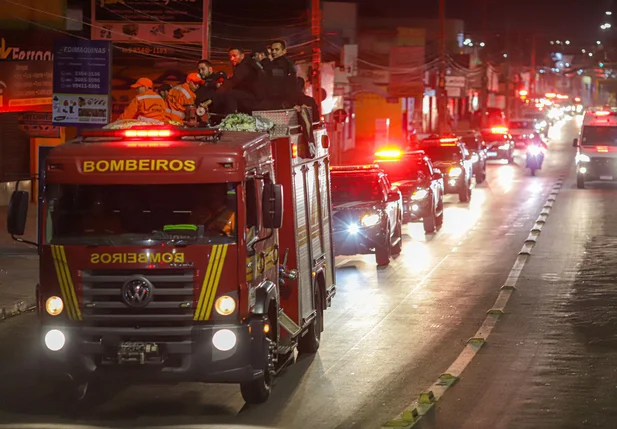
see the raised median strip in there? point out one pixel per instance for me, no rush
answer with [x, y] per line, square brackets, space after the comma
[419, 408]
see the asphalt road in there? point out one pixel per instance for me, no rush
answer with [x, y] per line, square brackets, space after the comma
[389, 334]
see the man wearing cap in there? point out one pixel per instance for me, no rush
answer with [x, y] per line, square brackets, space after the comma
[184, 94]
[148, 105]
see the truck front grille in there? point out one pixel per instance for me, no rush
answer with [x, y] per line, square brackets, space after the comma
[167, 320]
[603, 166]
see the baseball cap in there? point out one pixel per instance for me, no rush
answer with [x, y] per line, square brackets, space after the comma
[195, 78]
[143, 81]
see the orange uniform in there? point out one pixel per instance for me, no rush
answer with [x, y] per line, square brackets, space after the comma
[147, 106]
[179, 96]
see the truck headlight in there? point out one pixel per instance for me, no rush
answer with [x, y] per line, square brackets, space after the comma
[54, 305]
[420, 194]
[475, 157]
[370, 220]
[225, 305]
[455, 171]
[581, 157]
[55, 340]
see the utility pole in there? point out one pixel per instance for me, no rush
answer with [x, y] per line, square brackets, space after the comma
[316, 32]
[442, 96]
[532, 77]
[206, 29]
[508, 66]
[485, 67]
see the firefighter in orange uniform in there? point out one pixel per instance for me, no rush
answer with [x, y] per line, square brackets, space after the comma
[184, 94]
[148, 105]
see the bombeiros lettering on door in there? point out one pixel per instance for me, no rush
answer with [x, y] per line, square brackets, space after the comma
[137, 165]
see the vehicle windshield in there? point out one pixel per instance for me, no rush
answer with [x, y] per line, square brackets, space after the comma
[355, 188]
[443, 153]
[140, 214]
[521, 125]
[605, 136]
[406, 169]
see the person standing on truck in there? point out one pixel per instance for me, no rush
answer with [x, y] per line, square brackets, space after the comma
[182, 95]
[282, 78]
[147, 106]
[245, 89]
[308, 101]
[213, 80]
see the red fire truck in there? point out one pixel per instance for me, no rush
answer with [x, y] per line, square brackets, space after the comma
[174, 254]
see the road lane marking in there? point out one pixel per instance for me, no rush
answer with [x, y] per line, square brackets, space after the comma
[427, 399]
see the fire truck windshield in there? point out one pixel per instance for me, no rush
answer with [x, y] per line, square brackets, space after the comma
[605, 136]
[351, 188]
[140, 214]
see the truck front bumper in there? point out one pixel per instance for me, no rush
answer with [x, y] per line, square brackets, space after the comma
[191, 359]
[358, 241]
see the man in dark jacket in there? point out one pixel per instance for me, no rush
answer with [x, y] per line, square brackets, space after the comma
[245, 89]
[282, 78]
[212, 82]
[305, 100]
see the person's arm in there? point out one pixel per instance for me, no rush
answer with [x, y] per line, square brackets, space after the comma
[131, 111]
[239, 76]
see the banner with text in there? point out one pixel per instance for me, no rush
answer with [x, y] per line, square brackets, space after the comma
[82, 75]
[170, 21]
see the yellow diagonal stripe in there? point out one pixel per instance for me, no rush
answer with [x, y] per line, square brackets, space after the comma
[69, 284]
[215, 265]
[60, 274]
[215, 285]
[204, 286]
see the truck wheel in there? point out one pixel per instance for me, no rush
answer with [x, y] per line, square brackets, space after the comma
[580, 181]
[309, 343]
[481, 177]
[439, 219]
[464, 194]
[384, 251]
[398, 235]
[511, 158]
[430, 221]
[258, 391]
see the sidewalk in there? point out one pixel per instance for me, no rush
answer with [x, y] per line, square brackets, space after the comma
[18, 268]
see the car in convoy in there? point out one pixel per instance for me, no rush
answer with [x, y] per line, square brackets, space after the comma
[523, 131]
[420, 183]
[499, 144]
[367, 212]
[477, 147]
[541, 122]
[596, 147]
[450, 155]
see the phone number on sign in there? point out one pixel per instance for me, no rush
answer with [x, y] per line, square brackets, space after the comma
[86, 86]
[146, 50]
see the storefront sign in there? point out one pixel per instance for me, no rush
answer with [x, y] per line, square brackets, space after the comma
[169, 21]
[24, 85]
[38, 124]
[82, 75]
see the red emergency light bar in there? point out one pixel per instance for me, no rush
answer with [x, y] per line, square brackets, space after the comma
[499, 130]
[151, 133]
[602, 113]
[353, 167]
[389, 153]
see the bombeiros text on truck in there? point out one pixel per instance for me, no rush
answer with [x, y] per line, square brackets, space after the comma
[181, 254]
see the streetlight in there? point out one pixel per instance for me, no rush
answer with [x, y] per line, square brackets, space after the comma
[605, 26]
[567, 42]
[608, 12]
[591, 54]
[505, 55]
[482, 44]
[583, 51]
[552, 42]
[598, 42]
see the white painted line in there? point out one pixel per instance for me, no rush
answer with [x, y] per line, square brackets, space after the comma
[410, 416]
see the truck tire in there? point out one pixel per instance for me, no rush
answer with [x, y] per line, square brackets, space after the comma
[580, 181]
[439, 219]
[384, 252]
[430, 222]
[258, 391]
[464, 194]
[398, 236]
[481, 176]
[309, 343]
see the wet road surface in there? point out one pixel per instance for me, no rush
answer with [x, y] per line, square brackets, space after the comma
[389, 334]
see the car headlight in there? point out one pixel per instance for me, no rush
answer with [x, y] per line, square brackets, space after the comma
[54, 305]
[420, 194]
[581, 157]
[370, 220]
[225, 305]
[534, 150]
[504, 147]
[455, 171]
[353, 229]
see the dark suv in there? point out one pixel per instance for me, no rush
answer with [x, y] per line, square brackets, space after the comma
[475, 144]
[420, 184]
[368, 213]
[450, 155]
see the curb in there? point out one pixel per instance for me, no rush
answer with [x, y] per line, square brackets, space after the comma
[17, 308]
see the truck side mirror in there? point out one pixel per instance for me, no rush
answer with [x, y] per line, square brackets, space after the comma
[272, 206]
[18, 213]
[437, 174]
[394, 196]
[575, 143]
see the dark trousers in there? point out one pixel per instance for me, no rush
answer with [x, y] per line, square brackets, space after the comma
[233, 101]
